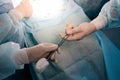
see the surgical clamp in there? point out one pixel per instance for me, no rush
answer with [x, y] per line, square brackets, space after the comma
[59, 45]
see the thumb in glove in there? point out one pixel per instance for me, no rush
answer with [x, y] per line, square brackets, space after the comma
[39, 51]
[26, 55]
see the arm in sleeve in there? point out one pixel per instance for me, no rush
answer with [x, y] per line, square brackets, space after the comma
[11, 56]
[10, 31]
[111, 11]
[8, 64]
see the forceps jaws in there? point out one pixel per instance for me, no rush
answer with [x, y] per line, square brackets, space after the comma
[59, 45]
[63, 40]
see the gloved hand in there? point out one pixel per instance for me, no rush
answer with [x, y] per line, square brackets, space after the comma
[34, 53]
[77, 33]
[84, 29]
[39, 51]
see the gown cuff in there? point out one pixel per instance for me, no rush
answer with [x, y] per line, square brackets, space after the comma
[100, 22]
[20, 57]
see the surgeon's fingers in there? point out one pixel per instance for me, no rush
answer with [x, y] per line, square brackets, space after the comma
[77, 36]
[53, 57]
[58, 51]
[74, 31]
[68, 28]
[62, 35]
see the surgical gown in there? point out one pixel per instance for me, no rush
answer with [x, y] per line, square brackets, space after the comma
[110, 51]
[11, 35]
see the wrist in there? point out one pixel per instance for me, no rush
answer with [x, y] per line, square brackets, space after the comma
[92, 28]
[29, 54]
[99, 22]
[20, 57]
[88, 28]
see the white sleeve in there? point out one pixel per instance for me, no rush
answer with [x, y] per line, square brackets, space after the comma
[20, 57]
[7, 63]
[111, 10]
[100, 22]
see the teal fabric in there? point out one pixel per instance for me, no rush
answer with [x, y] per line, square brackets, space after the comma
[113, 35]
[111, 55]
[111, 52]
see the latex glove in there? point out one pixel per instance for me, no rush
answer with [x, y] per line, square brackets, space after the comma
[79, 32]
[26, 55]
[39, 51]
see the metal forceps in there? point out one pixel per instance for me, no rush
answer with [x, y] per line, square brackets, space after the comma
[59, 45]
